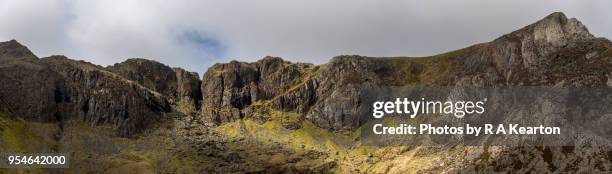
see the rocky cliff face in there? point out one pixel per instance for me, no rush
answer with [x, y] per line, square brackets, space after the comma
[130, 98]
[229, 88]
[182, 87]
[553, 51]
[188, 91]
[149, 73]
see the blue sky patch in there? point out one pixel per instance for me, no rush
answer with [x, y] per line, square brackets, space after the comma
[204, 44]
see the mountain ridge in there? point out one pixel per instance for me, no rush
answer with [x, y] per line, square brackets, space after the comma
[277, 115]
[227, 90]
[551, 51]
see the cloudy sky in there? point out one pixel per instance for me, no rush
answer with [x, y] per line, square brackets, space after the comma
[195, 34]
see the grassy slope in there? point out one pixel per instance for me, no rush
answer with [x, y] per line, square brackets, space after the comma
[262, 146]
[90, 148]
[429, 70]
[343, 150]
[17, 136]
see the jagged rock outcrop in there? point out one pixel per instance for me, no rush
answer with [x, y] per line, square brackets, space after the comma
[329, 97]
[188, 91]
[57, 89]
[180, 85]
[149, 73]
[229, 88]
[553, 51]
[11, 50]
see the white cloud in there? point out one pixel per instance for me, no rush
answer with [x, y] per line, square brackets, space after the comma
[39, 24]
[106, 32]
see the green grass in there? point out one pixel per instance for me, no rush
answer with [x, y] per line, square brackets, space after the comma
[19, 137]
[429, 70]
[306, 137]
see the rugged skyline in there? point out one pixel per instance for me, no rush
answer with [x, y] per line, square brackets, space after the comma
[197, 34]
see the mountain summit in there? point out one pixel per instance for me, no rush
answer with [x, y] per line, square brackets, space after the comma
[14, 50]
[557, 30]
